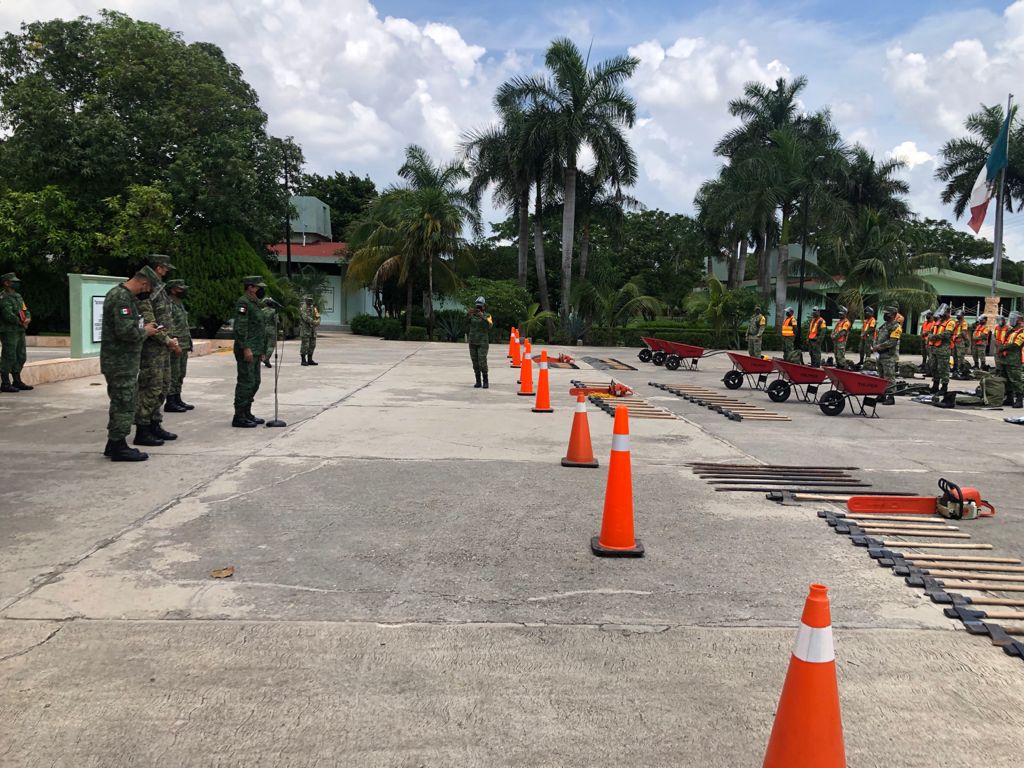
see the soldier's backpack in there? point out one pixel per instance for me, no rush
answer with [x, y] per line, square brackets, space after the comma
[992, 389]
[907, 370]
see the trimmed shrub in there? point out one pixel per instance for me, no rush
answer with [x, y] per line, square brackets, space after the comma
[451, 325]
[390, 329]
[416, 333]
[366, 325]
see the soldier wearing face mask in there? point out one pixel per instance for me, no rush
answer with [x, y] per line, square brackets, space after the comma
[250, 332]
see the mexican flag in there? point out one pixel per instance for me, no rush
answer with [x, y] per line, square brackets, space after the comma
[985, 186]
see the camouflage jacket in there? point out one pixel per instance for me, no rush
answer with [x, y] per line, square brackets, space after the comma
[179, 325]
[12, 311]
[887, 341]
[270, 324]
[250, 329]
[157, 309]
[479, 327]
[308, 321]
[755, 327]
[123, 333]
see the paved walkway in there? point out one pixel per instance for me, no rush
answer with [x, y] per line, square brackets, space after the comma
[413, 584]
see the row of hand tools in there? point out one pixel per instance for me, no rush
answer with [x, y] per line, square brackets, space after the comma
[730, 407]
[778, 478]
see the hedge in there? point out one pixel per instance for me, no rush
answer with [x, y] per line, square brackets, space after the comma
[416, 333]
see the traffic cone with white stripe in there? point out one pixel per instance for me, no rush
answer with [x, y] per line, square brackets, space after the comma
[543, 404]
[513, 342]
[517, 352]
[617, 538]
[808, 730]
[526, 373]
[581, 453]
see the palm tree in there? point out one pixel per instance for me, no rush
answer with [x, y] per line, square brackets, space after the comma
[608, 307]
[874, 185]
[762, 110]
[599, 196]
[962, 159]
[586, 107]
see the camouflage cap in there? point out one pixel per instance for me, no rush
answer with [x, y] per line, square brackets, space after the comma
[9, 276]
[894, 309]
[307, 297]
[160, 259]
[148, 273]
[256, 280]
[868, 311]
[171, 284]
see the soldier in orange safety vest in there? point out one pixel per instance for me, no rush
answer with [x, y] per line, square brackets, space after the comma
[999, 337]
[840, 333]
[814, 335]
[961, 344]
[867, 334]
[941, 342]
[1012, 353]
[788, 335]
[927, 323]
[980, 338]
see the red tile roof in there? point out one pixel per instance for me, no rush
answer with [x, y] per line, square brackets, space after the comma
[315, 250]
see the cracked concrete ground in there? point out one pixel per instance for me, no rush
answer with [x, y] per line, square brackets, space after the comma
[414, 587]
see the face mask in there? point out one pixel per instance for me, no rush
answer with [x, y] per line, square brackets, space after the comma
[143, 296]
[16, 286]
[261, 292]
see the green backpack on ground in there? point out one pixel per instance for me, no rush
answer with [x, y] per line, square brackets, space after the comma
[992, 389]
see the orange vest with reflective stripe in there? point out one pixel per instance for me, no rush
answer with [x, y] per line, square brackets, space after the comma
[980, 335]
[789, 326]
[817, 323]
[869, 330]
[842, 330]
[1001, 332]
[926, 327]
[940, 327]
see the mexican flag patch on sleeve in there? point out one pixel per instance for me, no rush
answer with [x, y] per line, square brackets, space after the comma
[241, 310]
[125, 311]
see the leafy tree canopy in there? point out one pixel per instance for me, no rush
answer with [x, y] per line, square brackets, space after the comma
[346, 194]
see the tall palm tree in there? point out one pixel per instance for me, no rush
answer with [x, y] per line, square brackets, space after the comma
[599, 195]
[587, 107]
[962, 159]
[874, 185]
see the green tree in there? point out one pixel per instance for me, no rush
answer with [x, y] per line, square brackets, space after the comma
[725, 309]
[507, 301]
[346, 194]
[939, 236]
[582, 106]
[141, 223]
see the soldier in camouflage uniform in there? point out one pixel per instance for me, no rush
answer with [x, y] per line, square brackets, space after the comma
[961, 344]
[940, 344]
[155, 364]
[840, 334]
[309, 321]
[124, 331]
[887, 345]
[14, 319]
[270, 321]
[1010, 352]
[755, 330]
[479, 341]
[250, 332]
[179, 330]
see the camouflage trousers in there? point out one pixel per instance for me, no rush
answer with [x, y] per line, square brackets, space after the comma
[865, 348]
[888, 365]
[754, 346]
[940, 364]
[247, 382]
[308, 343]
[840, 347]
[1015, 375]
[978, 353]
[123, 391]
[787, 348]
[12, 357]
[478, 354]
[959, 357]
[814, 347]
[154, 382]
[179, 369]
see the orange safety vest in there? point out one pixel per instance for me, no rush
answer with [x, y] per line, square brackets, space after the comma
[960, 329]
[869, 330]
[926, 327]
[980, 335]
[1001, 331]
[940, 327]
[842, 330]
[817, 323]
[1016, 336]
[789, 326]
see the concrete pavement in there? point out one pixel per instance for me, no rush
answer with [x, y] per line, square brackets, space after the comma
[414, 586]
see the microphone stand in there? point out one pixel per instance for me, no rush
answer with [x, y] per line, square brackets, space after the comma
[276, 422]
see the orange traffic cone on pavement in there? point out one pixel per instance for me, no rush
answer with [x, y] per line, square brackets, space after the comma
[581, 453]
[543, 404]
[808, 728]
[526, 373]
[517, 352]
[617, 538]
[513, 342]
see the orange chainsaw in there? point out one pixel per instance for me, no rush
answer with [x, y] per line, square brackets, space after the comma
[955, 503]
[614, 389]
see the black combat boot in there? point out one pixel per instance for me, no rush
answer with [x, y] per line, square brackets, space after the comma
[250, 417]
[935, 386]
[144, 436]
[310, 360]
[174, 405]
[943, 387]
[5, 386]
[19, 384]
[186, 406]
[303, 359]
[243, 421]
[158, 430]
[1018, 401]
[486, 383]
[266, 364]
[478, 382]
[120, 451]
[108, 448]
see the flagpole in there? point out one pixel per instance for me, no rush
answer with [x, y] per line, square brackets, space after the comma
[997, 241]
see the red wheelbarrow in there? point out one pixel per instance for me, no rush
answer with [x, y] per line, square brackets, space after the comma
[803, 378]
[745, 366]
[858, 388]
[655, 352]
[686, 355]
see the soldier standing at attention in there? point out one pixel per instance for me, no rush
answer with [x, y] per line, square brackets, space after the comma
[941, 343]
[1010, 351]
[755, 330]
[14, 319]
[814, 334]
[840, 334]
[867, 333]
[179, 330]
[479, 341]
[961, 343]
[270, 319]
[155, 365]
[309, 320]
[979, 342]
[250, 332]
[999, 337]
[124, 331]
[927, 323]
[887, 345]
[788, 335]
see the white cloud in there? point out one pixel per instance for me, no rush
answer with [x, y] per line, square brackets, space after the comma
[910, 154]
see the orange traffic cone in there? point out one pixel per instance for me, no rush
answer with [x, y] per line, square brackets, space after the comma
[543, 404]
[512, 342]
[580, 454]
[526, 373]
[617, 539]
[517, 352]
[808, 728]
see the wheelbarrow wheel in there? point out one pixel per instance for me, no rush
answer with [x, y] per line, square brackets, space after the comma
[672, 363]
[832, 403]
[645, 355]
[779, 390]
[658, 358]
[733, 380]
